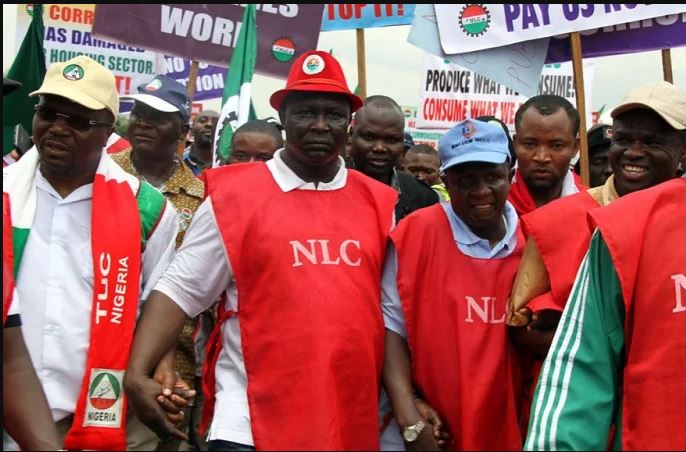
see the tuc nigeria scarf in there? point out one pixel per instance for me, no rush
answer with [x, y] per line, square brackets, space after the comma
[100, 417]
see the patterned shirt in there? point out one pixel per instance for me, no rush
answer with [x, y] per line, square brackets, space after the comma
[186, 193]
[182, 189]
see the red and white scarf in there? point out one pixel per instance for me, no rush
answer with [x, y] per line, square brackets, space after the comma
[7, 258]
[100, 417]
[523, 201]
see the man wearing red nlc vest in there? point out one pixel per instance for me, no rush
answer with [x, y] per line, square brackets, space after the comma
[647, 144]
[618, 352]
[295, 362]
[445, 287]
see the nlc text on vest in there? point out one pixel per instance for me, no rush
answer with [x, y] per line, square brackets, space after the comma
[317, 252]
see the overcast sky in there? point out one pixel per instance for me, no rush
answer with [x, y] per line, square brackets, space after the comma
[394, 67]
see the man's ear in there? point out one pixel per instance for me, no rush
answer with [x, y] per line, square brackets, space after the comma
[185, 128]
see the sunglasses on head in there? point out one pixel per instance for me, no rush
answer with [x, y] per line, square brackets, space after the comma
[80, 123]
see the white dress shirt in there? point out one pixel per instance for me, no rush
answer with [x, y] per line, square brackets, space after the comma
[55, 283]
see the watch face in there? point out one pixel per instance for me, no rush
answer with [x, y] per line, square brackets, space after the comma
[410, 435]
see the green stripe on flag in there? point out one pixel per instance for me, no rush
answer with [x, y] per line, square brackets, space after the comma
[236, 98]
[19, 238]
[151, 205]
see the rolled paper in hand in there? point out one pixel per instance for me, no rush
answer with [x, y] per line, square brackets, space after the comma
[531, 281]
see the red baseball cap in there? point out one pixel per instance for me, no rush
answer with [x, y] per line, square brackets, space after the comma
[316, 71]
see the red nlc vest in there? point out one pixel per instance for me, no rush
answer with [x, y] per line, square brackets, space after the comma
[462, 358]
[307, 266]
[561, 232]
[646, 235]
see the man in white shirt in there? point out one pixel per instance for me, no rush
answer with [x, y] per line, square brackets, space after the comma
[298, 357]
[90, 241]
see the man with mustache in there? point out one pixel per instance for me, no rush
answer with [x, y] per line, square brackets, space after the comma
[377, 144]
[25, 412]
[445, 308]
[617, 361]
[90, 242]
[646, 148]
[546, 139]
[295, 361]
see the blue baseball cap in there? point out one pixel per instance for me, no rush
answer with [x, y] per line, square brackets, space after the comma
[473, 141]
[164, 94]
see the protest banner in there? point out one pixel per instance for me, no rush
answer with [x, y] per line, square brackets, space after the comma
[208, 32]
[470, 27]
[516, 66]
[640, 36]
[451, 93]
[68, 34]
[348, 16]
[209, 82]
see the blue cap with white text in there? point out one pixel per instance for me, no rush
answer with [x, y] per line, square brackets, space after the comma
[473, 141]
[164, 94]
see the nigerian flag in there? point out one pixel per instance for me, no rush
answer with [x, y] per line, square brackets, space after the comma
[28, 68]
[236, 99]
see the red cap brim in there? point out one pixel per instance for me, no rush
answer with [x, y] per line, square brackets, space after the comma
[277, 98]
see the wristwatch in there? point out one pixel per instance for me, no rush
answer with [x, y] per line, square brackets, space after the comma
[412, 432]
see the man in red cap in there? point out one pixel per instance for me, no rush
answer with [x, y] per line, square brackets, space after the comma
[295, 362]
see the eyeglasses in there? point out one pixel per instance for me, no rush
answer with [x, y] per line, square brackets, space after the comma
[79, 123]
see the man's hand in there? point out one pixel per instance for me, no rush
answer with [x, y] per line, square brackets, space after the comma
[538, 332]
[431, 417]
[176, 394]
[544, 320]
[426, 441]
[144, 395]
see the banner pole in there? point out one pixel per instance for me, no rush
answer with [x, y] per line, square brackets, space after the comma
[192, 78]
[361, 68]
[580, 104]
[190, 89]
[667, 65]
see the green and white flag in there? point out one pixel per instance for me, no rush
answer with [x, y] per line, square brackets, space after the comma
[236, 99]
[28, 68]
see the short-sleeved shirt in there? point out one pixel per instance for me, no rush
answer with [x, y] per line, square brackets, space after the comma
[200, 272]
[13, 317]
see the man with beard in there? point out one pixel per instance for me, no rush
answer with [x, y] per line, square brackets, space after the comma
[198, 155]
[546, 139]
[646, 148]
